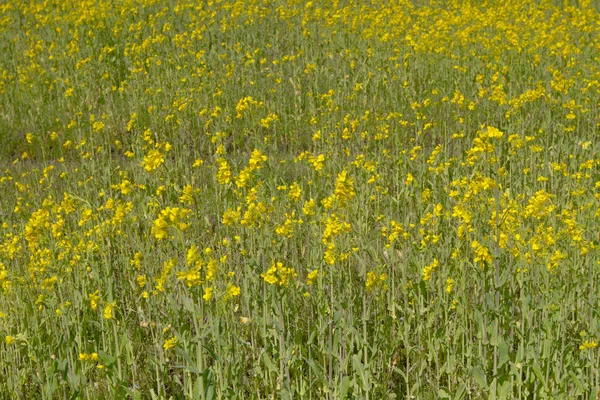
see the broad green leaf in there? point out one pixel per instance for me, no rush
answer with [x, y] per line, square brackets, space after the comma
[504, 388]
[344, 387]
[538, 373]
[479, 376]
[492, 395]
[503, 356]
[460, 392]
[268, 363]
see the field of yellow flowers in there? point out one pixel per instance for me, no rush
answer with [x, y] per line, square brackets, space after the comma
[264, 199]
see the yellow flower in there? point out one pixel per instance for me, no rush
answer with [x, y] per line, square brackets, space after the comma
[555, 259]
[187, 195]
[344, 187]
[375, 280]
[493, 133]
[454, 304]
[208, 293]
[317, 162]
[449, 285]
[98, 126]
[153, 160]
[211, 269]
[34, 228]
[428, 269]
[191, 277]
[224, 172]
[160, 228]
[192, 255]
[230, 217]
[312, 276]
[141, 280]
[109, 310]
[295, 192]
[371, 280]
[482, 254]
[88, 356]
[256, 160]
[170, 216]
[539, 205]
[125, 187]
[279, 274]
[310, 207]
[334, 226]
[170, 343]
[94, 298]
[588, 345]
[164, 274]
[244, 177]
[136, 261]
[269, 276]
[232, 291]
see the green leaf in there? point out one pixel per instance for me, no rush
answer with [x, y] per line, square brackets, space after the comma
[400, 372]
[451, 364]
[502, 354]
[505, 388]
[197, 385]
[188, 304]
[460, 392]
[212, 353]
[345, 385]
[315, 369]
[479, 376]
[546, 348]
[182, 353]
[576, 380]
[359, 368]
[494, 337]
[107, 359]
[189, 368]
[210, 392]
[268, 363]
[493, 385]
[538, 373]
